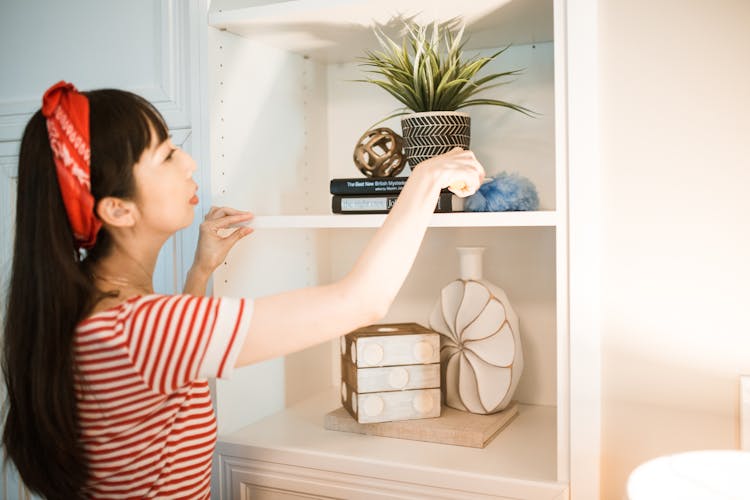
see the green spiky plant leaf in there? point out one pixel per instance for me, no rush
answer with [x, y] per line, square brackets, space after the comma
[427, 71]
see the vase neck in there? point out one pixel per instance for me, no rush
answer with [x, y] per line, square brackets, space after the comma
[470, 262]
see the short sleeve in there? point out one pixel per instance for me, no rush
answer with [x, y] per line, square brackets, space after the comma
[176, 339]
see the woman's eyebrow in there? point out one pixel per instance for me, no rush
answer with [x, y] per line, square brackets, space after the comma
[163, 149]
[166, 140]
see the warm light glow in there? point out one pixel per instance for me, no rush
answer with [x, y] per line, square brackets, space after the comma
[697, 475]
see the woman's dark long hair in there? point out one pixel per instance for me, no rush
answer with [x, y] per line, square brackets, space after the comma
[51, 289]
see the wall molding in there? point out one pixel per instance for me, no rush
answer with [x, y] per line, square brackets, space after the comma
[8, 183]
[170, 94]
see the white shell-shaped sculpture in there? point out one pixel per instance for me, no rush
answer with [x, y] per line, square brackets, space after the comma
[480, 347]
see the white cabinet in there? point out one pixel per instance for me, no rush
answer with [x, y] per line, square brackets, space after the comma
[284, 118]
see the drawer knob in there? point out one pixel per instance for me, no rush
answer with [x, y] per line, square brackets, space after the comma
[373, 406]
[423, 402]
[373, 354]
[398, 378]
[423, 352]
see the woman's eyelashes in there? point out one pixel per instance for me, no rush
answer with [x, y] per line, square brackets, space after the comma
[171, 152]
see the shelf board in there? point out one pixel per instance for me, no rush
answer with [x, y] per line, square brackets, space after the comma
[544, 218]
[520, 460]
[340, 30]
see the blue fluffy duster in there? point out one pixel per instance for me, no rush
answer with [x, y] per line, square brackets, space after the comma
[505, 193]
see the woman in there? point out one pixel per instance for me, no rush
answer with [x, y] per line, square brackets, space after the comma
[106, 381]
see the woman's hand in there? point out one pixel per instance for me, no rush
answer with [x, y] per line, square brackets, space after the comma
[214, 242]
[458, 170]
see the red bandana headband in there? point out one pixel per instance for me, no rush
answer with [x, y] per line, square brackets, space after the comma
[67, 113]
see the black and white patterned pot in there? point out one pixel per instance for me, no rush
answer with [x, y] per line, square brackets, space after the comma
[433, 133]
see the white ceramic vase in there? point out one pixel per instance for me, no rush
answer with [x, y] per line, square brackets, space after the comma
[480, 346]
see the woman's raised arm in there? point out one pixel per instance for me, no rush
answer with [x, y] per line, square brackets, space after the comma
[293, 320]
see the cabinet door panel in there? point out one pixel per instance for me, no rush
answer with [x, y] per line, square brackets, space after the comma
[245, 479]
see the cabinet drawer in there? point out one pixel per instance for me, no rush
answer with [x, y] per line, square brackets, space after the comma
[245, 479]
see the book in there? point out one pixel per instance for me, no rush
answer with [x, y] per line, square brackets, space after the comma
[384, 185]
[374, 204]
[360, 185]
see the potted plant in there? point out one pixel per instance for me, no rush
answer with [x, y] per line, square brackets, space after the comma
[428, 73]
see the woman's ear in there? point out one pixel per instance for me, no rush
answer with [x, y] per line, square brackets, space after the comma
[116, 212]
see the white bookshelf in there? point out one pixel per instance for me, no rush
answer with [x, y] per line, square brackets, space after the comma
[284, 119]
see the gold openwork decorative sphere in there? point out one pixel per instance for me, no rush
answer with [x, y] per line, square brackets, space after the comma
[379, 153]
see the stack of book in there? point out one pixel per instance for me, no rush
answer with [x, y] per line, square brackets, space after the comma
[374, 195]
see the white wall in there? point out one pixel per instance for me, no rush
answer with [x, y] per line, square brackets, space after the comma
[675, 144]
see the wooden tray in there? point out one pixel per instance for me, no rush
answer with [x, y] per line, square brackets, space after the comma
[451, 427]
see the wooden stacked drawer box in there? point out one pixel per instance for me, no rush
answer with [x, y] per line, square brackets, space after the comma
[391, 372]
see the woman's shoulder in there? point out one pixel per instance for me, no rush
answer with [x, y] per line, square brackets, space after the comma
[156, 306]
[114, 307]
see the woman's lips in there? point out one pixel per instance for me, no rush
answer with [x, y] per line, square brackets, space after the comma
[194, 200]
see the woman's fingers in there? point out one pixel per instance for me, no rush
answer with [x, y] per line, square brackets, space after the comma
[464, 172]
[229, 220]
[218, 212]
[240, 233]
[463, 189]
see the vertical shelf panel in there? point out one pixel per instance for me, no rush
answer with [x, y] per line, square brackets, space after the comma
[561, 243]
[268, 131]
[263, 152]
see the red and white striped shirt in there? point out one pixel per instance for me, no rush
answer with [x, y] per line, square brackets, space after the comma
[147, 424]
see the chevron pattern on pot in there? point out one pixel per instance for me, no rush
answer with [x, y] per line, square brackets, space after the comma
[435, 129]
[439, 140]
[437, 118]
[434, 133]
